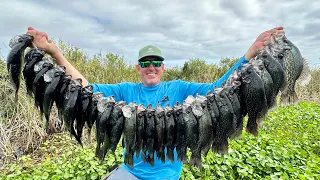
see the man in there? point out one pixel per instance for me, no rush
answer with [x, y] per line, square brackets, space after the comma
[151, 90]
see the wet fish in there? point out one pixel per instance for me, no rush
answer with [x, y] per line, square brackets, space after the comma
[254, 98]
[93, 112]
[148, 141]
[226, 124]
[129, 131]
[51, 91]
[235, 82]
[180, 142]
[39, 84]
[59, 99]
[105, 106]
[159, 135]
[236, 106]
[205, 129]
[70, 105]
[191, 130]
[15, 59]
[275, 70]
[140, 129]
[170, 132]
[266, 78]
[294, 66]
[84, 100]
[31, 58]
[116, 122]
[214, 114]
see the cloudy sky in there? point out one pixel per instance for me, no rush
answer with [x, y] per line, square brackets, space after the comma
[182, 29]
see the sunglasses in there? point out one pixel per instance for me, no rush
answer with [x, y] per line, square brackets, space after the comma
[145, 64]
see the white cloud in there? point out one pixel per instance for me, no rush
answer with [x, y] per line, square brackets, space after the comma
[183, 29]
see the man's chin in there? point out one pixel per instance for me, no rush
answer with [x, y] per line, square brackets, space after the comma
[151, 82]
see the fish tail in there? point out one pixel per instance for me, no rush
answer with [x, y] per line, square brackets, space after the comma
[252, 126]
[161, 155]
[182, 156]
[170, 154]
[205, 149]
[305, 76]
[220, 146]
[138, 150]
[239, 128]
[89, 136]
[288, 98]
[195, 159]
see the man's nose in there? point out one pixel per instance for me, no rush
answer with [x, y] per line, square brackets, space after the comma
[151, 66]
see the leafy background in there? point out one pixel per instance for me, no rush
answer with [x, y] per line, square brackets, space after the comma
[287, 147]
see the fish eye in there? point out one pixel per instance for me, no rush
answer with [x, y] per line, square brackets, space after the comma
[280, 55]
[261, 67]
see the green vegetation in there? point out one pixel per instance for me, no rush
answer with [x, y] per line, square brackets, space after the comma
[287, 147]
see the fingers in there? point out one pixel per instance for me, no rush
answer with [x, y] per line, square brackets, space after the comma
[34, 32]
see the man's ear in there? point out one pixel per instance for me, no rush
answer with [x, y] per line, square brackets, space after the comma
[138, 67]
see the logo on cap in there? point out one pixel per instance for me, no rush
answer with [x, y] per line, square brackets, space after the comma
[150, 50]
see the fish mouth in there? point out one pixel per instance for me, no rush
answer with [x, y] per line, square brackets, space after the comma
[20, 38]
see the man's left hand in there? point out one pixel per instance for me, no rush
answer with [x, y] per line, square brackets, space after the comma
[262, 40]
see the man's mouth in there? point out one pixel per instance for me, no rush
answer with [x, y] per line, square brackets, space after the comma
[151, 74]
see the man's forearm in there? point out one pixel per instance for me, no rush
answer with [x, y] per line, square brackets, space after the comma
[61, 60]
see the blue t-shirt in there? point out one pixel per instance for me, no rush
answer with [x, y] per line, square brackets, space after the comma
[176, 91]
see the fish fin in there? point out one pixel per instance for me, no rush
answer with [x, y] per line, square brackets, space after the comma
[170, 154]
[288, 98]
[305, 76]
[252, 127]
[195, 159]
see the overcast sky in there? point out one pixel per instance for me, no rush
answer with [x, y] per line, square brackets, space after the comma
[206, 29]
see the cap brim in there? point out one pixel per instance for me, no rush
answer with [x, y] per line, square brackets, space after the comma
[161, 58]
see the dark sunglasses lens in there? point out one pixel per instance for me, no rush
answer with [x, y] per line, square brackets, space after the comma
[145, 64]
[156, 63]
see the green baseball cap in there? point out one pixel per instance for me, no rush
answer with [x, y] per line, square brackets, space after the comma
[150, 51]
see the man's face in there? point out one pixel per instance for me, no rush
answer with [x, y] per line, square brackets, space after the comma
[151, 75]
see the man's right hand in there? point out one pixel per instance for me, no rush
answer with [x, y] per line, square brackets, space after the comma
[42, 41]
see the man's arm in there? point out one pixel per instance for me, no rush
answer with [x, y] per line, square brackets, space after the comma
[192, 88]
[61, 60]
[41, 40]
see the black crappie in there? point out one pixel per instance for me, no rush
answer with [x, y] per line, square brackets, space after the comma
[266, 78]
[170, 132]
[180, 142]
[191, 130]
[140, 129]
[105, 106]
[275, 70]
[129, 131]
[149, 138]
[116, 122]
[70, 105]
[15, 58]
[226, 124]
[254, 98]
[93, 112]
[205, 128]
[31, 58]
[39, 84]
[295, 68]
[83, 102]
[232, 94]
[160, 130]
[51, 90]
